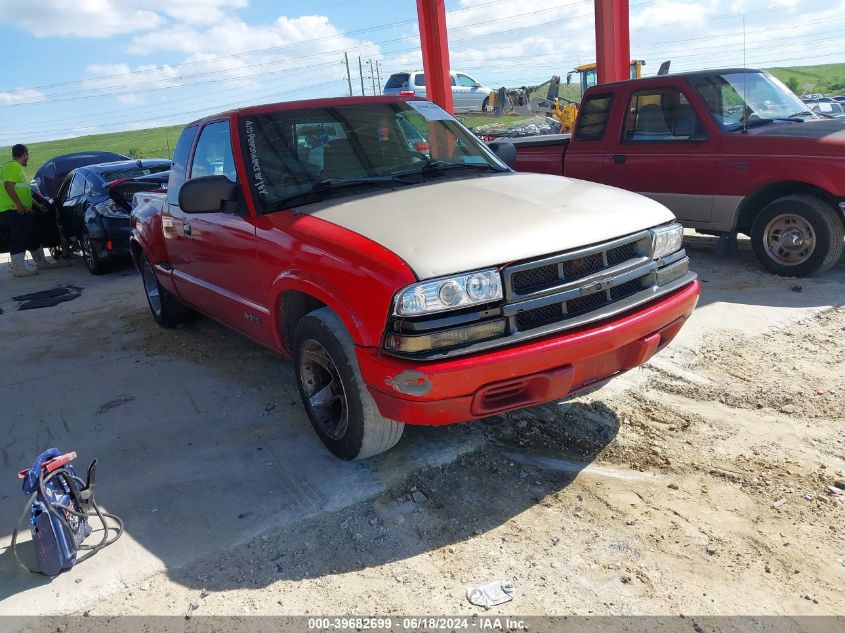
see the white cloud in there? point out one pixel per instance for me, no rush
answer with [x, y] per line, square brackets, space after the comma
[21, 96]
[233, 55]
[668, 12]
[232, 36]
[106, 18]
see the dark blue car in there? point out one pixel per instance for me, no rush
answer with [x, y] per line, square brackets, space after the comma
[93, 205]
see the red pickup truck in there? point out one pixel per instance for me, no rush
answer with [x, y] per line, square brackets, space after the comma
[726, 150]
[411, 275]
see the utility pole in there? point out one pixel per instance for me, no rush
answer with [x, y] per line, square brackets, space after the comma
[372, 75]
[378, 76]
[361, 74]
[348, 76]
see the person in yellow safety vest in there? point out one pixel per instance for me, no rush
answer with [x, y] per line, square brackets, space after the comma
[16, 214]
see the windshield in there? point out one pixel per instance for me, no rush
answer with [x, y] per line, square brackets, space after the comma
[740, 99]
[294, 154]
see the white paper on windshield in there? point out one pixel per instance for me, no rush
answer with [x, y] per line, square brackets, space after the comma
[431, 111]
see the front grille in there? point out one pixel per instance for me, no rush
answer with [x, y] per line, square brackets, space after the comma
[623, 291]
[535, 279]
[579, 278]
[539, 317]
[582, 266]
[586, 303]
[621, 254]
[551, 272]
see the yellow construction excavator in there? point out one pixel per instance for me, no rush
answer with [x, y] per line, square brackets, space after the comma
[565, 110]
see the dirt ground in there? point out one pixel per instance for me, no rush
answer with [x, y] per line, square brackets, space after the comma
[709, 482]
[710, 491]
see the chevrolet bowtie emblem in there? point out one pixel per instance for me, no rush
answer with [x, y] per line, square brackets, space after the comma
[596, 286]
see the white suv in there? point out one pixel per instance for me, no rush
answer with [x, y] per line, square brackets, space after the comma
[468, 94]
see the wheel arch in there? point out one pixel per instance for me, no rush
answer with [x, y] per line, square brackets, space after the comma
[752, 204]
[136, 250]
[293, 298]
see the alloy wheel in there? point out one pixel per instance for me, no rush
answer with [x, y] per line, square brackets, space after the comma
[325, 396]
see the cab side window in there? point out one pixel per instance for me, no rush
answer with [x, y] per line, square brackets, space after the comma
[661, 115]
[466, 82]
[593, 118]
[213, 155]
[179, 167]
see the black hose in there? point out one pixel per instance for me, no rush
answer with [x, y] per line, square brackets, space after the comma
[70, 478]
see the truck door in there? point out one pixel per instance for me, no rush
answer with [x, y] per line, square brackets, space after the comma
[221, 245]
[584, 157]
[173, 220]
[666, 151]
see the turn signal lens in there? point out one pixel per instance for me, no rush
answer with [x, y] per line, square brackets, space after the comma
[445, 338]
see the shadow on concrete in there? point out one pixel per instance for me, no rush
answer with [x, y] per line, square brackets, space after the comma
[525, 457]
[202, 444]
[741, 279]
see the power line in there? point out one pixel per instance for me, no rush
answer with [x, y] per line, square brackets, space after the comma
[294, 44]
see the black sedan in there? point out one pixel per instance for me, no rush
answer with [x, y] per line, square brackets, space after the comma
[93, 205]
[51, 174]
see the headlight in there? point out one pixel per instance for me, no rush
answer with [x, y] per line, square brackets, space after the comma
[666, 240]
[110, 209]
[449, 293]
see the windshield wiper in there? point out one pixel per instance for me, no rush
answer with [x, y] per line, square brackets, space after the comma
[325, 188]
[443, 165]
[798, 117]
[439, 166]
[753, 123]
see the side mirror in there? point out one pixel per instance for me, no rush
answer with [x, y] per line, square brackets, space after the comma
[209, 194]
[475, 84]
[505, 151]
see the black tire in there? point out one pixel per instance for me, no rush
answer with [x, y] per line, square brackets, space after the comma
[486, 104]
[95, 265]
[166, 309]
[350, 425]
[797, 236]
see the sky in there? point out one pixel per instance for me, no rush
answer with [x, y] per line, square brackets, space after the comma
[94, 66]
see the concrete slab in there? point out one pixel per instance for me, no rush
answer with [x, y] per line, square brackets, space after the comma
[200, 438]
[195, 452]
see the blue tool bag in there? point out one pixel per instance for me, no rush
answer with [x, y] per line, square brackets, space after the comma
[59, 505]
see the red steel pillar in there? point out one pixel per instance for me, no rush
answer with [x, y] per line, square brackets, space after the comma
[435, 52]
[613, 41]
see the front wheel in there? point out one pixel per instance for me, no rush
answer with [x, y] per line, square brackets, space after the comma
[797, 236]
[339, 406]
[487, 106]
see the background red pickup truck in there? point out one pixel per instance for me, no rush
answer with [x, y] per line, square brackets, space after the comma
[394, 270]
[726, 150]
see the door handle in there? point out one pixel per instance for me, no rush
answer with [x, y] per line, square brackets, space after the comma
[186, 228]
[619, 159]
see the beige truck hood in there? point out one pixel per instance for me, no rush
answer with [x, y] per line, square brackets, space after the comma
[463, 224]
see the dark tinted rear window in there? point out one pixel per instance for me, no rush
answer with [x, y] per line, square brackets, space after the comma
[398, 80]
[131, 172]
[419, 79]
[593, 117]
